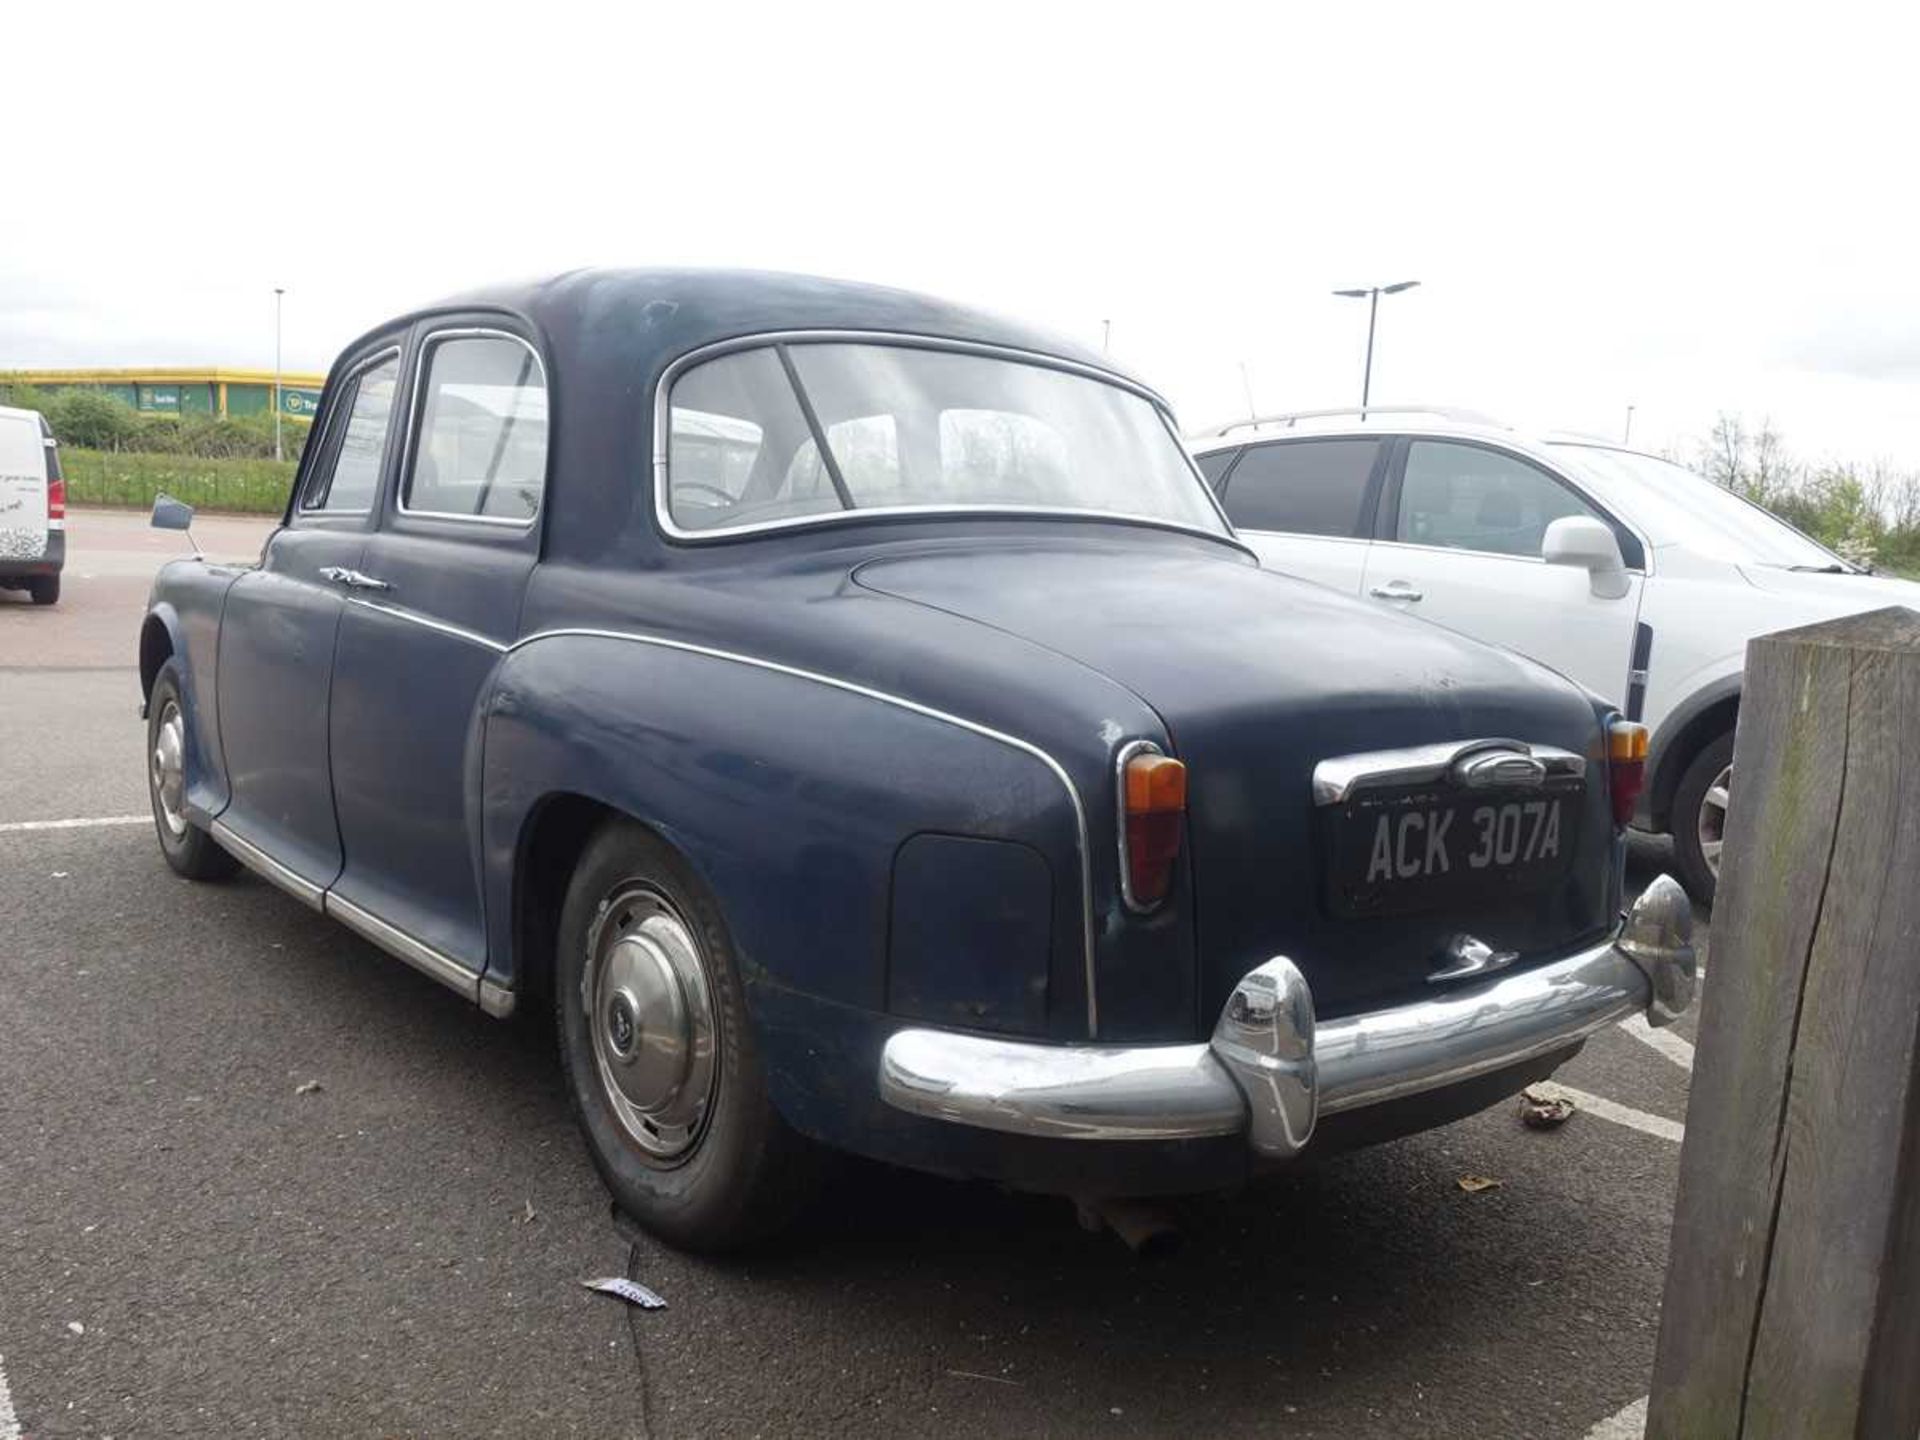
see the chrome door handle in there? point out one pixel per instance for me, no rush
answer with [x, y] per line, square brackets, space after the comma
[1397, 590]
[352, 579]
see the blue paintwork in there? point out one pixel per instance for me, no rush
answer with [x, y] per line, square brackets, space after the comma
[406, 763]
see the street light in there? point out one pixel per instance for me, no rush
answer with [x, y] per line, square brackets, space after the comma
[1372, 296]
[278, 292]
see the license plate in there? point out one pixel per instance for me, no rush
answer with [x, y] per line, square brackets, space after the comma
[1396, 853]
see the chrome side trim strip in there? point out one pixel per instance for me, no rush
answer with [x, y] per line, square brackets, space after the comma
[915, 707]
[266, 867]
[402, 946]
[472, 637]
[1336, 777]
[496, 999]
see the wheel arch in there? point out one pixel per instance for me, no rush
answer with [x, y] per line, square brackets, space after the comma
[1692, 727]
[158, 644]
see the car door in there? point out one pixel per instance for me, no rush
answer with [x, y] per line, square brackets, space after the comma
[278, 629]
[1461, 529]
[446, 571]
[1306, 506]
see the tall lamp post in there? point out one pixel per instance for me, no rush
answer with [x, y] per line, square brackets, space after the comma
[1371, 294]
[278, 292]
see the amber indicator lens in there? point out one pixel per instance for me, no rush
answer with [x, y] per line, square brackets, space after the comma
[1156, 801]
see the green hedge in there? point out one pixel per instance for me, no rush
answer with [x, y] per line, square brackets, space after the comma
[100, 477]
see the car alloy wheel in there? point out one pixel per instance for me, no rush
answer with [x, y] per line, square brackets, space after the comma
[167, 768]
[649, 1011]
[1711, 823]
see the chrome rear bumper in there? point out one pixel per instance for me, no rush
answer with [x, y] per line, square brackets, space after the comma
[1270, 1071]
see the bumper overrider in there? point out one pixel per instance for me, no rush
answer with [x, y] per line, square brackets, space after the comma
[1270, 1071]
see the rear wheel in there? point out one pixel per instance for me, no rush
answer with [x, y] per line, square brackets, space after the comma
[662, 1065]
[188, 848]
[1699, 819]
[45, 589]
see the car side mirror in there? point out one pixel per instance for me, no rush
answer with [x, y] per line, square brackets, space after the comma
[172, 514]
[1584, 541]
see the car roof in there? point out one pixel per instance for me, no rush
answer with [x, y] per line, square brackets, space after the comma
[1433, 422]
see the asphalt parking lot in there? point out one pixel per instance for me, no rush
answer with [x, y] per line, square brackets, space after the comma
[198, 1238]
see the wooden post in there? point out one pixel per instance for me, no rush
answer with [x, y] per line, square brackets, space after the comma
[1792, 1303]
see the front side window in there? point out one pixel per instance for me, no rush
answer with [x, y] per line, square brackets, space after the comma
[350, 475]
[1466, 497]
[786, 432]
[1302, 487]
[482, 451]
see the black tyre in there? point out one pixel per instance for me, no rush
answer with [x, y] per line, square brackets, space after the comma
[45, 589]
[662, 1065]
[1699, 819]
[189, 849]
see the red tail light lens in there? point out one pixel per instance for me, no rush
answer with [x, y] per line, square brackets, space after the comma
[1626, 767]
[56, 499]
[1153, 802]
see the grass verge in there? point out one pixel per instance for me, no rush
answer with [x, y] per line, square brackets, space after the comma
[246, 487]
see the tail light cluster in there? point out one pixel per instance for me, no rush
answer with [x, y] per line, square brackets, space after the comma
[56, 499]
[1626, 767]
[1153, 806]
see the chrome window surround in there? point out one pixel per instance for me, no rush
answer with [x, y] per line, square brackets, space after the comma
[662, 438]
[1338, 776]
[1120, 762]
[416, 403]
[1059, 771]
[325, 437]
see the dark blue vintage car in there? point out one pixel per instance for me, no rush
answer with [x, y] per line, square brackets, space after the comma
[854, 716]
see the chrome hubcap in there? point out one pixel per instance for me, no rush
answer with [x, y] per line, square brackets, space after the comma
[650, 1013]
[1712, 822]
[167, 769]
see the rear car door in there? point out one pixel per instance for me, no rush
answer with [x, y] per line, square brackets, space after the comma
[1306, 506]
[278, 629]
[446, 571]
[1461, 529]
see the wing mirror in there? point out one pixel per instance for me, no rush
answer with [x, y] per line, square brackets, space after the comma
[1585, 542]
[172, 514]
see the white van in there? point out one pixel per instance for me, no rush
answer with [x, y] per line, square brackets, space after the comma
[33, 506]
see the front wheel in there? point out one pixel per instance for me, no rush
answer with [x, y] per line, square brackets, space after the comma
[189, 849]
[662, 1065]
[1699, 819]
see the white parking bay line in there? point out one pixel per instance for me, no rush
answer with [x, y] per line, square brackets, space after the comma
[1629, 1424]
[96, 822]
[9, 1422]
[1665, 1041]
[1619, 1114]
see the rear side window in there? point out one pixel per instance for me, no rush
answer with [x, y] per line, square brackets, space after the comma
[350, 475]
[482, 452]
[1305, 487]
[1214, 465]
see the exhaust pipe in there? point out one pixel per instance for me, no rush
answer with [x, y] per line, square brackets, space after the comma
[1147, 1229]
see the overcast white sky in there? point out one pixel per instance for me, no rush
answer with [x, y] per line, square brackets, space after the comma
[1682, 209]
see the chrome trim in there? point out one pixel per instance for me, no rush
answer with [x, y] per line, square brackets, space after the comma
[496, 999]
[1271, 1070]
[1078, 1092]
[373, 361]
[1120, 760]
[266, 867]
[1336, 777]
[352, 579]
[416, 399]
[1265, 1041]
[915, 707]
[402, 946]
[1658, 937]
[1469, 955]
[427, 622]
[662, 435]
